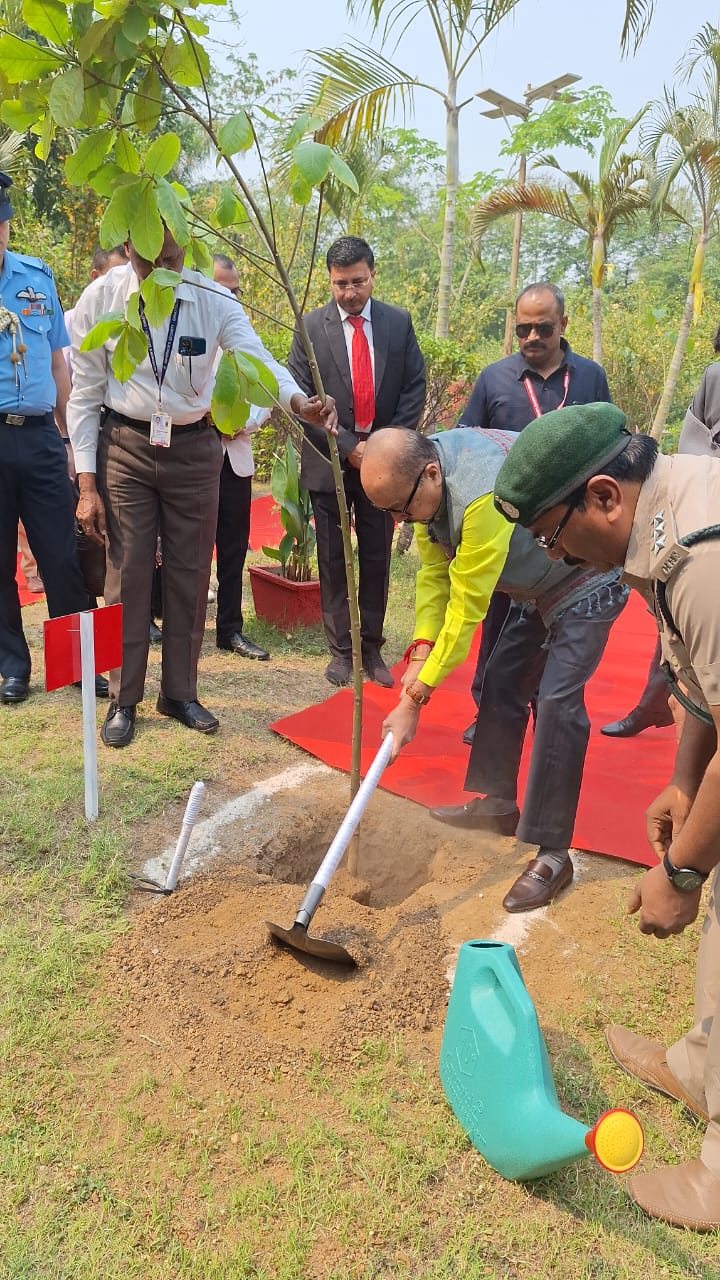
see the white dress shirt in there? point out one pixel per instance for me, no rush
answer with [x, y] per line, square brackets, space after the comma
[207, 311]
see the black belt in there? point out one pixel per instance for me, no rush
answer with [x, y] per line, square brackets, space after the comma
[26, 419]
[138, 425]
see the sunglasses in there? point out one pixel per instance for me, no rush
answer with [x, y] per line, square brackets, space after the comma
[543, 330]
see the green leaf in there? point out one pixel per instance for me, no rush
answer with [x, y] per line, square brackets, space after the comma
[136, 25]
[23, 60]
[236, 134]
[158, 301]
[44, 142]
[49, 18]
[343, 172]
[88, 157]
[97, 41]
[109, 178]
[130, 351]
[115, 222]
[147, 102]
[165, 278]
[125, 51]
[67, 97]
[304, 124]
[300, 189]
[162, 154]
[228, 208]
[82, 16]
[312, 160]
[171, 211]
[18, 115]
[146, 229]
[126, 153]
[108, 326]
[201, 255]
[262, 387]
[273, 553]
[230, 408]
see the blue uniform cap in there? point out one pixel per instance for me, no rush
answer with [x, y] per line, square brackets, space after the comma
[6, 209]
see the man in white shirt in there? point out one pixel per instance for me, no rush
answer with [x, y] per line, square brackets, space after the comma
[170, 487]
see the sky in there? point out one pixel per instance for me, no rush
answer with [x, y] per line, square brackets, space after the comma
[540, 40]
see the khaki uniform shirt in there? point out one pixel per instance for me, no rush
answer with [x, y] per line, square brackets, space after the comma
[681, 496]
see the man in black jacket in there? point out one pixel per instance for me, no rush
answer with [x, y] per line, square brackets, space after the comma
[371, 364]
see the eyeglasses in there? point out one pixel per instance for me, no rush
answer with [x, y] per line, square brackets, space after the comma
[405, 511]
[546, 543]
[543, 330]
[342, 286]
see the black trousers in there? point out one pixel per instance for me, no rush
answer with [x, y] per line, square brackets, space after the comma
[374, 531]
[231, 544]
[551, 665]
[35, 488]
[493, 623]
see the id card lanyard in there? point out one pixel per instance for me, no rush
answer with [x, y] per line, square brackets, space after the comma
[532, 395]
[160, 421]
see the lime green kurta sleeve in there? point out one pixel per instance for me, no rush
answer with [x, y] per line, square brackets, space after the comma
[452, 596]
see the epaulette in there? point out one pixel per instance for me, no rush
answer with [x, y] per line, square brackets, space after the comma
[36, 262]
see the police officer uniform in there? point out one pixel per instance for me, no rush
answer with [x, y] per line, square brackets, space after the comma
[34, 482]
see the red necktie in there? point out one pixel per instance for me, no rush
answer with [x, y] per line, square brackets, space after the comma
[362, 377]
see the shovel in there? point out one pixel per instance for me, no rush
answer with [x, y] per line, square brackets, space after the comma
[298, 936]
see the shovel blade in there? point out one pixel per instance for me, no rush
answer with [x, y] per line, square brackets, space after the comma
[300, 940]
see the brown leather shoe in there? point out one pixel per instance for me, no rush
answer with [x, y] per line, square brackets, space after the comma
[645, 1060]
[478, 815]
[537, 885]
[685, 1195]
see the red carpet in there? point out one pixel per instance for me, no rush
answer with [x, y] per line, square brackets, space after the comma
[621, 776]
[265, 524]
[26, 597]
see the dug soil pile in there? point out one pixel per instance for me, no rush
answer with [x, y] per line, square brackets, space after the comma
[204, 994]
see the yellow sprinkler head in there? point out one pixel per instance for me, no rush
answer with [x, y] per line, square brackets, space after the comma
[616, 1140]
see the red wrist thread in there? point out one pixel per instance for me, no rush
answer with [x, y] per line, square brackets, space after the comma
[412, 647]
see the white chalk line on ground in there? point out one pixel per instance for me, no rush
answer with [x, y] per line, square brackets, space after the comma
[204, 845]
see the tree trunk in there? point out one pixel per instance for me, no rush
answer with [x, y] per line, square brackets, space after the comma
[452, 171]
[673, 374]
[514, 266]
[597, 273]
[597, 325]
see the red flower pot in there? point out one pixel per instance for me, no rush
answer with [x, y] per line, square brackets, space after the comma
[284, 603]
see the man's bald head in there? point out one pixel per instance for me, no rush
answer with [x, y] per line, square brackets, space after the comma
[401, 469]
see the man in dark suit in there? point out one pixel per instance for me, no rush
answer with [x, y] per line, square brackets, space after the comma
[371, 364]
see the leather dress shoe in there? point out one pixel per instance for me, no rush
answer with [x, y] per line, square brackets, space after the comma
[636, 721]
[192, 714]
[238, 643]
[645, 1060]
[155, 633]
[119, 727]
[376, 670]
[102, 688]
[469, 734]
[538, 885]
[685, 1195]
[14, 689]
[339, 671]
[478, 816]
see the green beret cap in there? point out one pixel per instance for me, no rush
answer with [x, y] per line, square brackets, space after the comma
[555, 455]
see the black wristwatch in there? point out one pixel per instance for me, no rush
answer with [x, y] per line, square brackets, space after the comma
[686, 879]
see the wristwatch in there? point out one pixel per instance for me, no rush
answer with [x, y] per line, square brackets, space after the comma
[686, 879]
[420, 699]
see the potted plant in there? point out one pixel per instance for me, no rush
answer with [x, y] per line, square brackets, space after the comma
[288, 595]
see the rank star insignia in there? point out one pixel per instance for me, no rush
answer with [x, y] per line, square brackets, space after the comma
[659, 534]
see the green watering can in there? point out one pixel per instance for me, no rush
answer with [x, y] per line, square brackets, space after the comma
[496, 1074]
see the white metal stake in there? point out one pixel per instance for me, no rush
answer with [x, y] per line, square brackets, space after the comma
[87, 665]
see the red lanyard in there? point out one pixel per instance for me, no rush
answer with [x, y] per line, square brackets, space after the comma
[532, 396]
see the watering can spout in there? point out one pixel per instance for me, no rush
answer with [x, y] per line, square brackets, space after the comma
[496, 1074]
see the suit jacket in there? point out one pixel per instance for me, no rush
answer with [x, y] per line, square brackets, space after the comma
[399, 382]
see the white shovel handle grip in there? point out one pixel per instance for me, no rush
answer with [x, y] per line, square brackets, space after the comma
[192, 809]
[331, 861]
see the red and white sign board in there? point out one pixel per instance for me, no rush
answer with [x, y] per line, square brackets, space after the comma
[62, 645]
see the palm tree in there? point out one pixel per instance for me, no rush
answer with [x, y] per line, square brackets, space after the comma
[638, 16]
[10, 145]
[594, 206]
[355, 89]
[686, 140]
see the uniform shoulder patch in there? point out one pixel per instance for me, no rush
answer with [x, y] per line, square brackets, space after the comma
[36, 262]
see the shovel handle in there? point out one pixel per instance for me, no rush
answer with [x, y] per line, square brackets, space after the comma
[331, 861]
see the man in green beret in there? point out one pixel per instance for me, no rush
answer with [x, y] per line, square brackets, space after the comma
[591, 492]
